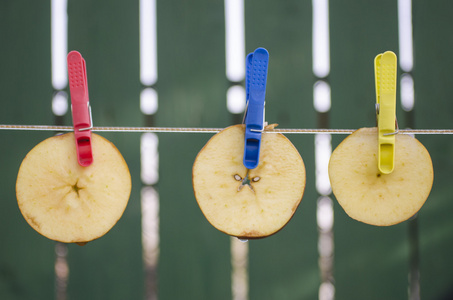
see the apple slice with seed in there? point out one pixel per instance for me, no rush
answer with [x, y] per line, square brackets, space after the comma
[374, 198]
[69, 203]
[248, 203]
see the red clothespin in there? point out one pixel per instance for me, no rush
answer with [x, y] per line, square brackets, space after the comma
[81, 110]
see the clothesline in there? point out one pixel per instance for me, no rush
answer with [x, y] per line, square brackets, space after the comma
[207, 130]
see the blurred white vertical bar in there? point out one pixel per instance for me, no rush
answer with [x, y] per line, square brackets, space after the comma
[61, 271]
[325, 220]
[321, 96]
[150, 225]
[407, 92]
[149, 101]
[406, 59]
[326, 291]
[324, 214]
[60, 103]
[405, 35]
[234, 40]
[149, 142]
[239, 262]
[59, 78]
[148, 42]
[59, 43]
[149, 158]
[321, 51]
[323, 150]
[236, 99]
[406, 51]
[150, 239]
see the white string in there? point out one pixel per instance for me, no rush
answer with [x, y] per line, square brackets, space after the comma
[208, 130]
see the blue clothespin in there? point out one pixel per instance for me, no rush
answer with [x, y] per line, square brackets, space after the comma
[255, 89]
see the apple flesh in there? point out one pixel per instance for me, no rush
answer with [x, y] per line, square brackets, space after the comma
[248, 203]
[69, 203]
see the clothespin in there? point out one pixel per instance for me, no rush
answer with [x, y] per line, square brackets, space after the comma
[255, 84]
[81, 110]
[385, 66]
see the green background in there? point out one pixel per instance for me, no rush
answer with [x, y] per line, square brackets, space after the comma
[194, 263]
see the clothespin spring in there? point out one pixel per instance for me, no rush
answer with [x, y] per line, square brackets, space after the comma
[397, 128]
[91, 120]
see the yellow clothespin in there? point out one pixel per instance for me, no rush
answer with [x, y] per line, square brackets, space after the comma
[385, 75]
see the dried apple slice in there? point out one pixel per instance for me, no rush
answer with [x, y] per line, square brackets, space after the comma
[66, 202]
[374, 198]
[248, 203]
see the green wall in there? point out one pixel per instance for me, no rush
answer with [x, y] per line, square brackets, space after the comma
[370, 262]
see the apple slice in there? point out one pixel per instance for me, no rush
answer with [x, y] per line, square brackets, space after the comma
[248, 203]
[66, 202]
[374, 198]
